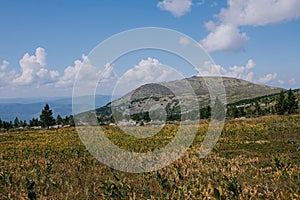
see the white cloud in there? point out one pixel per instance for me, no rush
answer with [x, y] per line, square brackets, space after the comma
[225, 37]
[267, 78]
[108, 74]
[87, 76]
[281, 82]
[259, 12]
[240, 72]
[225, 33]
[177, 7]
[71, 73]
[184, 41]
[54, 74]
[292, 81]
[147, 71]
[210, 25]
[211, 69]
[107, 80]
[7, 77]
[4, 65]
[34, 69]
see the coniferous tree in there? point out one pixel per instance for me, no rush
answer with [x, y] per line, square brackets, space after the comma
[218, 110]
[280, 105]
[34, 122]
[71, 120]
[291, 102]
[59, 120]
[16, 123]
[46, 117]
[257, 108]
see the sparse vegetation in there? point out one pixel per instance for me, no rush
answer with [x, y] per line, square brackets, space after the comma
[255, 158]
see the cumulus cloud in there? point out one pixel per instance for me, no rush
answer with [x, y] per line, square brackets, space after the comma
[71, 73]
[240, 72]
[177, 7]
[4, 65]
[259, 12]
[225, 33]
[267, 78]
[211, 69]
[108, 75]
[7, 77]
[34, 69]
[88, 77]
[224, 37]
[146, 71]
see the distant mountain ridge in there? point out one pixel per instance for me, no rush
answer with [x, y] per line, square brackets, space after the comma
[28, 108]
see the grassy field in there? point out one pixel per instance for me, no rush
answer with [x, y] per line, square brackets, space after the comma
[254, 159]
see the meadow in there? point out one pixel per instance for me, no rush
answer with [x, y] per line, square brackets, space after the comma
[257, 158]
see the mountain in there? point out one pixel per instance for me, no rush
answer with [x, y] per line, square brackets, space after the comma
[28, 108]
[146, 96]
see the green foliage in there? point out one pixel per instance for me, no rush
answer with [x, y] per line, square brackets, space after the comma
[291, 102]
[205, 113]
[258, 109]
[46, 117]
[34, 122]
[281, 104]
[59, 120]
[16, 123]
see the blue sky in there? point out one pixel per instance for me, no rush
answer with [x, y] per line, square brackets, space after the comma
[257, 40]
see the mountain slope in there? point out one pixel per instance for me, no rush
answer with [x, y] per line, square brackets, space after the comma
[143, 98]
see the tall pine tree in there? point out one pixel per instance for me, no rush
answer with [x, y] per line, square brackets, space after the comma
[291, 102]
[280, 105]
[46, 117]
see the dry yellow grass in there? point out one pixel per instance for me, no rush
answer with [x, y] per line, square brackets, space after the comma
[253, 159]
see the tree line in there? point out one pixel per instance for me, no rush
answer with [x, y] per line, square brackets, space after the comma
[284, 103]
[46, 120]
[280, 104]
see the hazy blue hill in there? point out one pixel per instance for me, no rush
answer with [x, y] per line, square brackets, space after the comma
[27, 108]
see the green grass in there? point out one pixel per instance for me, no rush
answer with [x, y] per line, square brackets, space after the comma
[254, 159]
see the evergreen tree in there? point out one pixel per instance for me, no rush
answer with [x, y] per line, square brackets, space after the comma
[257, 108]
[146, 117]
[59, 120]
[7, 125]
[46, 117]
[34, 122]
[1, 123]
[280, 105]
[291, 102]
[66, 120]
[207, 113]
[71, 121]
[219, 110]
[242, 112]
[24, 124]
[16, 123]
[234, 112]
